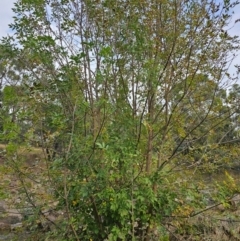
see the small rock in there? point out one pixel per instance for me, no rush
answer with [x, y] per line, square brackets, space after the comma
[16, 226]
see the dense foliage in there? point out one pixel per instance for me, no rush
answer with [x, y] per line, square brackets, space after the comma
[128, 101]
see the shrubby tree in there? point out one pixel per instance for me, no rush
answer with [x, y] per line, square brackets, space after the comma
[117, 93]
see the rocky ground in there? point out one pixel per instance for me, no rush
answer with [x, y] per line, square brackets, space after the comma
[10, 223]
[15, 208]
